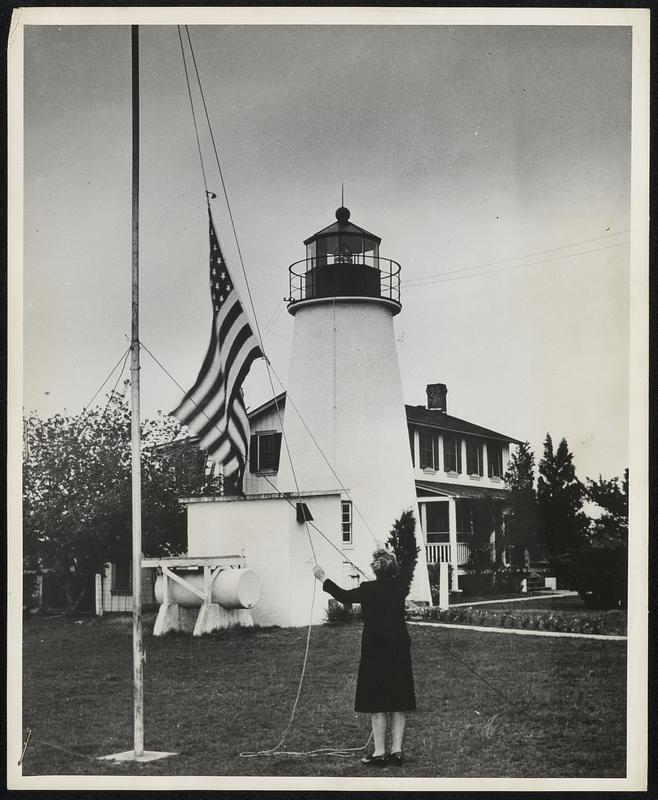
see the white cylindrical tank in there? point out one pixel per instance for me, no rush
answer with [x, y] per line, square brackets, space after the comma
[232, 588]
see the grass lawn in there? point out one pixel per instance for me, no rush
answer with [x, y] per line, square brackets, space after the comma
[211, 698]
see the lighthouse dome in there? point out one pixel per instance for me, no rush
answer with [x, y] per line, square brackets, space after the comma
[342, 215]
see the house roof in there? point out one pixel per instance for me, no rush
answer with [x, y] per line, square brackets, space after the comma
[279, 400]
[425, 488]
[418, 415]
[445, 422]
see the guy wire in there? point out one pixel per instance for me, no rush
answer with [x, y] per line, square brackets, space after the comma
[125, 352]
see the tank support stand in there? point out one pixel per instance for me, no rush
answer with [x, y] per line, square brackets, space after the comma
[187, 603]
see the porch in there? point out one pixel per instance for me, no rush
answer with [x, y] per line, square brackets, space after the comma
[440, 552]
[449, 518]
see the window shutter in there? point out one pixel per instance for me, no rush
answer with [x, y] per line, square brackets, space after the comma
[276, 451]
[435, 451]
[253, 453]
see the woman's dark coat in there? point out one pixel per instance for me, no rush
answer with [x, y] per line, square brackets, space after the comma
[385, 681]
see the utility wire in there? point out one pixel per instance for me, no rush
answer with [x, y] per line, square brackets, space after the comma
[411, 281]
[514, 266]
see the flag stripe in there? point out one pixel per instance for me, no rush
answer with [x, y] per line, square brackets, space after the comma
[213, 412]
[211, 368]
[213, 385]
[238, 426]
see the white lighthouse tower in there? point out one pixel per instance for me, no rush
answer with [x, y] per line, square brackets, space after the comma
[345, 424]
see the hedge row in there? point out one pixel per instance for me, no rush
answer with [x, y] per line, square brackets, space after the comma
[608, 624]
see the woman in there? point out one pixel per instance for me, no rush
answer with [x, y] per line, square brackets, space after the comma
[385, 683]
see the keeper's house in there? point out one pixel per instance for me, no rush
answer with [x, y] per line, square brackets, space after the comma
[455, 462]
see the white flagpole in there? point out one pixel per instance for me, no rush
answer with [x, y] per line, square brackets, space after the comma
[137, 753]
[138, 649]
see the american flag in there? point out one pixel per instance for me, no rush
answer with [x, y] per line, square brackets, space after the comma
[214, 408]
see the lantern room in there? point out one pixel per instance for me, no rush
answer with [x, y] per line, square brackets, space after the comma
[342, 260]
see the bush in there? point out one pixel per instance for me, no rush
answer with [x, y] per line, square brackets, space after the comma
[603, 576]
[402, 540]
[598, 573]
[605, 623]
[339, 614]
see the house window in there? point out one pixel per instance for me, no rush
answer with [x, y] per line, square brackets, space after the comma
[411, 445]
[264, 450]
[346, 521]
[495, 458]
[429, 450]
[122, 576]
[452, 454]
[474, 462]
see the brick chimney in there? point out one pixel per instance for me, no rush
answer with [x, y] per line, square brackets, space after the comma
[436, 397]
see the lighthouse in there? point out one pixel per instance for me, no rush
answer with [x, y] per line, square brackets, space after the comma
[345, 427]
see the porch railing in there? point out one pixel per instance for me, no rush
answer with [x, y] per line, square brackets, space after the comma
[437, 553]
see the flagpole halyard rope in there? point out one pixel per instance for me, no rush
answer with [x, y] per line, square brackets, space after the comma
[189, 92]
[268, 366]
[246, 279]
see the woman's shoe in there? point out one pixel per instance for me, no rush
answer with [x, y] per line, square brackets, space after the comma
[396, 759]
[375, 761]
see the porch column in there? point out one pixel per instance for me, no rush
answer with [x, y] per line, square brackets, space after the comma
[422, 507]
[452, 531]
[485, 461]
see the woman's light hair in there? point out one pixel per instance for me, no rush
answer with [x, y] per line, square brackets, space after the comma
[384, 564]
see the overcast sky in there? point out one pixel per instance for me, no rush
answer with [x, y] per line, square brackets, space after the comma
[507, 147]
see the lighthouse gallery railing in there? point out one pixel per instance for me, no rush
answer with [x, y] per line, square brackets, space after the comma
[358, 275]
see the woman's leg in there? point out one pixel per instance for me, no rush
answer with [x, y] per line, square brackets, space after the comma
[378, 721]
[397, 731]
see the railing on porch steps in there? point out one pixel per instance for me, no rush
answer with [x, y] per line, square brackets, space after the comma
[437, 553]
